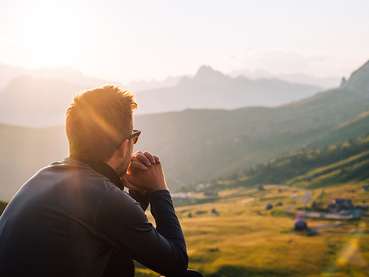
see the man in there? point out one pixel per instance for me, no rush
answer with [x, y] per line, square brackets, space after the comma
[73, 218]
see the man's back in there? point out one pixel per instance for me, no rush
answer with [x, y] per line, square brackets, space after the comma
[67, 220]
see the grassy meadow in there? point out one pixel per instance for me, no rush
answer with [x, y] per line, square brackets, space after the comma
[236, 235]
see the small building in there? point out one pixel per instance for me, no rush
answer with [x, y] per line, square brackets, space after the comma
[340, 204]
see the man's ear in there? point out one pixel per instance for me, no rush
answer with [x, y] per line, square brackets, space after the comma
[124, 147]
[121, 149]
[120, 160]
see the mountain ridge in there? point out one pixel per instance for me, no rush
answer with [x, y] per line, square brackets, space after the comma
[201, 145]
[24, 94]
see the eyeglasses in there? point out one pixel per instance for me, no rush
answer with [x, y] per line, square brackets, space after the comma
[134, 135]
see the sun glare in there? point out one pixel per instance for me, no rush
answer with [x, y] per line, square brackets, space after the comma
[52, 36]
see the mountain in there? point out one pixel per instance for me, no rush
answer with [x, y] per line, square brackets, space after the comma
[23, 151]
[45, 94]
[36, 101]
[211, 89]
[202, 145]
[68, 75]
[39, 98]
[359, 79]
[7, 73]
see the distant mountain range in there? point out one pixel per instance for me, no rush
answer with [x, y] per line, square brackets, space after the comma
[8, 73]
[296, 78]
[201, 145]
[300, 78]
[211, 89]
[40, 98]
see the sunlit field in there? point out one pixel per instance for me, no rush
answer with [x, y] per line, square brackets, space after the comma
[244, 239]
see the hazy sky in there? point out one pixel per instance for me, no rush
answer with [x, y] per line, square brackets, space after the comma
[125, 40]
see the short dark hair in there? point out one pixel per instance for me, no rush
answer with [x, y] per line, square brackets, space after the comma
[98, 120]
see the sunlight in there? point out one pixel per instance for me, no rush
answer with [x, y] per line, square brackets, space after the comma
[225, 137]
[52, 35]
[351, 253]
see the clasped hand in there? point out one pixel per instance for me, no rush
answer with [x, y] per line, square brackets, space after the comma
[145, 173]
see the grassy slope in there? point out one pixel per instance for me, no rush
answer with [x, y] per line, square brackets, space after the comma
[247, 240]
[353, 128]
[354, 168]
[318, 166]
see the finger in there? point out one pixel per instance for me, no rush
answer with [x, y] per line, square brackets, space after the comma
[135, 154]
[138, 165]
[156, 158]
[143, 159]
[150, 157]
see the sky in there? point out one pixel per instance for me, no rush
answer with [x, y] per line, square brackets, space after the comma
[144, 40]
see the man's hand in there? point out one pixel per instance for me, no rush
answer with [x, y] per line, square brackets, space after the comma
[142, 160]
[145, 173]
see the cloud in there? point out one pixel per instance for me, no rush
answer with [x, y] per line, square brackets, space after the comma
[286, 62]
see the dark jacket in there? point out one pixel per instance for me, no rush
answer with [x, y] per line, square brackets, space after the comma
[70, 220]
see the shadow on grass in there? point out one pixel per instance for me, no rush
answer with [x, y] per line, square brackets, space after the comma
[239, 271]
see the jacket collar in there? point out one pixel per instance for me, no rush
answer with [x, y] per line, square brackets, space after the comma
[102, 168]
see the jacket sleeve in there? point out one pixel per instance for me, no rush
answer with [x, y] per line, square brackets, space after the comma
[140, 197]
[123, 222]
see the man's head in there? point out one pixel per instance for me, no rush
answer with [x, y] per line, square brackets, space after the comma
[99, 123]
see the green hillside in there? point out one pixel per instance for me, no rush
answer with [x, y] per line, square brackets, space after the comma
[353, 128]
[315, 167]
